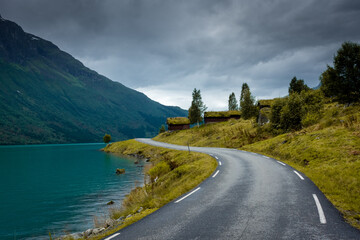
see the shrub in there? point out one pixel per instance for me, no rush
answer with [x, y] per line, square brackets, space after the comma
[290, 117]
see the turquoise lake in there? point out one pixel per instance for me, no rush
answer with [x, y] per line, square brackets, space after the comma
[59, 188]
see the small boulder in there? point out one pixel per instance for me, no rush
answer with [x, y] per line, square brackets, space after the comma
[140, 210]
[87, 232]
[136, 162]
[120, 171]
[76, 235]
[96, 231]
[110, 203]
[109, 223]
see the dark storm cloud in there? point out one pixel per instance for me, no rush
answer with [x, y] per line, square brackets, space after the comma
[166, 48]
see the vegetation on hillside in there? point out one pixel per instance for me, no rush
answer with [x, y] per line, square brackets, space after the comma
[328, 153]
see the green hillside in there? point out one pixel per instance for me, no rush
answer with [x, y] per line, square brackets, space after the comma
[47, 96]
[327, 151]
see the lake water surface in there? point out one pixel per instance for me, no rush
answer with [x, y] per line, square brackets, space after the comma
[59, 188]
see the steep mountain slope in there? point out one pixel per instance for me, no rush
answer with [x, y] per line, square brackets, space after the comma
[47, 96]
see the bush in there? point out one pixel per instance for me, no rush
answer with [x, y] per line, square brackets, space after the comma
[310, 119]
[162, 129]
[107, 138]
[290, 116]
[276, 112]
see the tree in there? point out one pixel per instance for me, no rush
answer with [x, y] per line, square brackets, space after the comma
[232, 102]
[247, 104]
[291, 113]
[107, 138]
[276, 113]
[343, 81]
[244, 88]
[162, 129]
[197, 107]
[297, 85]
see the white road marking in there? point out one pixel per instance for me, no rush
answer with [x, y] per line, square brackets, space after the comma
[112, 236]
[281, 163]
[320, 210]
[216, 173]
[216, 158]
[299, 175]
[266, 157]
[220, 163]
[187, 195]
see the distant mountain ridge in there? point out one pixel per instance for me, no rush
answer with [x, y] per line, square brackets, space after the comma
[47, 96]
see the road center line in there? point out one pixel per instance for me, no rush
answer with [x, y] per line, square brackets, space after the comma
[216, 173]
[281, 163]
[299, 175]
[112, 236]
[220, 163]
[187, 195]
[320, 210]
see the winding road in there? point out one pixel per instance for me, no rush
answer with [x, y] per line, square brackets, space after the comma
[249, 196]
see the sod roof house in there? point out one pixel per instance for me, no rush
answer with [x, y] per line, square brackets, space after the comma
[178, 123]
[212, 117]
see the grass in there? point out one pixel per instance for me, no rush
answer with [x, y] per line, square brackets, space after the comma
[222, 114]
[178, 120]
[170, 174]
[231, 134]
[327, 151]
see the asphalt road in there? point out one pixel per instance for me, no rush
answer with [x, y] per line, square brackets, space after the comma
[249, 196]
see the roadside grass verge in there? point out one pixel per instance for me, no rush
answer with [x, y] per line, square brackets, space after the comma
[170, 174]
[330, 157]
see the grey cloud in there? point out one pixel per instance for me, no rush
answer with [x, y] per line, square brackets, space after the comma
[208, 44]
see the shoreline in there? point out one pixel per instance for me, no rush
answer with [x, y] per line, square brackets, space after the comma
[142, 201]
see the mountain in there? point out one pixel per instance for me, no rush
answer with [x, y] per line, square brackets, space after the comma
[47, 96]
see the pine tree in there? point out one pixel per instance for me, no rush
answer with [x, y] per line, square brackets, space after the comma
[343, 80]
[297, 85]
[244, 88]
[162, 129]
[232, 102]
[197, 107]
[247, 104]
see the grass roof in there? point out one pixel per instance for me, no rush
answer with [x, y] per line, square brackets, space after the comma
[178, 121]
[222, 114]
[267, 101]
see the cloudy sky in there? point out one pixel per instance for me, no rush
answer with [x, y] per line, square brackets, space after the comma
[166, 48]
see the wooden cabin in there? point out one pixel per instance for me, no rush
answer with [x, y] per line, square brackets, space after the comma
[214, 117]
[178, 123]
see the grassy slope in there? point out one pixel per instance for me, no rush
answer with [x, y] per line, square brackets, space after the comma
[328, 152]
[177, 172]
[231, 134]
